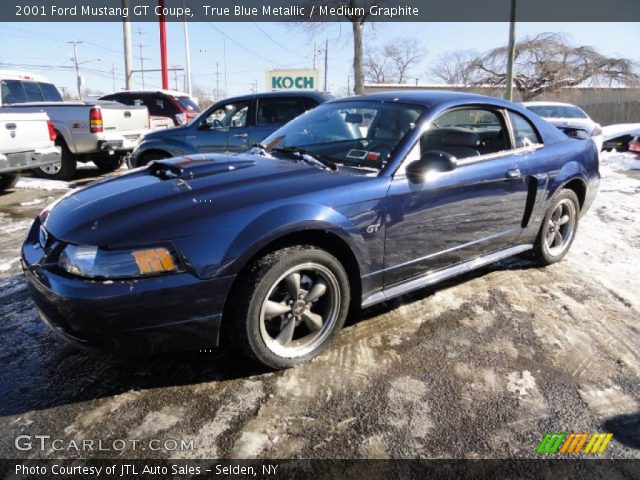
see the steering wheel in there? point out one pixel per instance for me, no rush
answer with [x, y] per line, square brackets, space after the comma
[217, 123]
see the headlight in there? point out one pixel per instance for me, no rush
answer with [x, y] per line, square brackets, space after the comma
[94, 262]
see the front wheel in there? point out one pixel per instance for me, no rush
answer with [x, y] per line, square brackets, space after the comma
[558, 228]
[289, 306]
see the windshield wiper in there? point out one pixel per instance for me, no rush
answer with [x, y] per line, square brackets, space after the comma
[307, 156]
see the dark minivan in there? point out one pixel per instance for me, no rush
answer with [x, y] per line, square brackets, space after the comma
[231, 125]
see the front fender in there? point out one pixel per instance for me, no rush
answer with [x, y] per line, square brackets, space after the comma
[174, 146]
[228, 249]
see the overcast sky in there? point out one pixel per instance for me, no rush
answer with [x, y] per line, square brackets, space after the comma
[251, 48]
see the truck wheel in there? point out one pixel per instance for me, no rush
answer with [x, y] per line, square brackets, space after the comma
[558, 228]
[289, 305]
[7, 180]
[108, 164]
[65, 169]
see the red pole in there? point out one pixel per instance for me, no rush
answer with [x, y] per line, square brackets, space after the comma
[163, 48]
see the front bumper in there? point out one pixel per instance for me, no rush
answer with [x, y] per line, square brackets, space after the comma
[13, 162]
[171, 312]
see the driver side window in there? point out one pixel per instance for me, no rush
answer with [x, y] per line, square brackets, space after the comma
[466, 133]
[229, 115]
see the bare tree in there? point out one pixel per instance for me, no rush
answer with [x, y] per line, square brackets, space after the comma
[455, 68]
[201, 96]
[404, 54]
[548, 62]
[394, 61]
[357, 13]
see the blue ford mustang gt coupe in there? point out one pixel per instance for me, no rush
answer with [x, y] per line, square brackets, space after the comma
[355, 202]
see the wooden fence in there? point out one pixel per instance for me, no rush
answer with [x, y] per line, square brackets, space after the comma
[606, 106]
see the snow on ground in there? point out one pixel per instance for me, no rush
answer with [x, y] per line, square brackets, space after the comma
[41, 184]
[620, 161]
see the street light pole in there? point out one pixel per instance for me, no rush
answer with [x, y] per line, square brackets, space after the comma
[187, 54]
[75, 62]
[512, 51]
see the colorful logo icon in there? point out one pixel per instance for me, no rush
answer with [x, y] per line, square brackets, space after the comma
[560, 442]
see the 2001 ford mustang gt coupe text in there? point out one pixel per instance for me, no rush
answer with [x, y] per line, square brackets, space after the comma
[357, 201]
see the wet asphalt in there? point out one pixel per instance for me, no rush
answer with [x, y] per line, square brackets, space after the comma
[479, 367]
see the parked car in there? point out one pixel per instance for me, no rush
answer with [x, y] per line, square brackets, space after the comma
[572, 120]
[98, 131]
[231, 125]
[272, 247]
[177, 106]
[26, 141]
[634, 145]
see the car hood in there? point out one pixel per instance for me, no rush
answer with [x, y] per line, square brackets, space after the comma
[183, 196]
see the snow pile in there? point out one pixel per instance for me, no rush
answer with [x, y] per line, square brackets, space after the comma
[620, 161]
[41, 184]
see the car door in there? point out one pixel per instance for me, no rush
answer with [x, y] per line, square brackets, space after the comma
[273, 112]
[456, 215]
[224, 128]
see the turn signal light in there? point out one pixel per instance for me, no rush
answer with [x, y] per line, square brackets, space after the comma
[154, 260]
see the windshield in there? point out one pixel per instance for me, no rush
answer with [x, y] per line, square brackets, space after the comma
[557, 111]
[360, 134]
[188, 104]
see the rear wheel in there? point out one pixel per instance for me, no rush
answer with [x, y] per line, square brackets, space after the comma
[108, 164]
[65, 169]
[289, 306]
[558, 228]
[7, 180]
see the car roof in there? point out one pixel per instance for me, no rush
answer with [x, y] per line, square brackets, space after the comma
[550, 104]
[172, 93]
[19, 75]
[429, 98]
[288, 93]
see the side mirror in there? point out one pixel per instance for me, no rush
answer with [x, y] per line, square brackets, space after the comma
[434, 161]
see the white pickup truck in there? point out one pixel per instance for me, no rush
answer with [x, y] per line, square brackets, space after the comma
[99, 131]
[26, 142]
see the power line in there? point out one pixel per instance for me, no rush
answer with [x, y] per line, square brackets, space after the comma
[278, 43]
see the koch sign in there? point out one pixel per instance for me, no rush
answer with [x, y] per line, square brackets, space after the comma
[277, 80]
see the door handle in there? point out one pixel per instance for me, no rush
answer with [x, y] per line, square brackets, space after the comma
[241, 135]
[10, 126]
[513, 173]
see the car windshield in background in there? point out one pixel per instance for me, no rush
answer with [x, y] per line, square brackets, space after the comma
[360, 134]
[557, 111]
[188, 104]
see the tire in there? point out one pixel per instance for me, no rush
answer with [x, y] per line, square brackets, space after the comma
[150, 156]
[269, 326]
[7, 180]
[65, 169]
[558, 229]
[108, 164]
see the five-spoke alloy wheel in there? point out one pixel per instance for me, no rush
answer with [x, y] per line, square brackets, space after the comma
[558, 228]
[290, 305]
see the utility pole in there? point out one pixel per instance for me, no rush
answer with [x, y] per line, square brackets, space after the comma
[75, 62]
[314, 55]
[187, 54]
[175, 75]
[326, 62]
[217, 81]
[142, 59]
[512, 51]
[113, 75]
[128, 56]
[348, 85]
